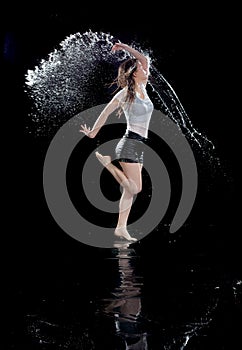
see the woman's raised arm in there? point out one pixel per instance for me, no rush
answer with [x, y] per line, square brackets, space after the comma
[138, 55]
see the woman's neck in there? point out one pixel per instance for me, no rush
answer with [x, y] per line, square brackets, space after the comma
[138, 86]
[138, 82]
[139, 89]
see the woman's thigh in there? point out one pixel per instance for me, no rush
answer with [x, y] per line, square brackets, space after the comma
[133, 172]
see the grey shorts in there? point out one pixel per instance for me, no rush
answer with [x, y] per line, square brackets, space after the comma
[130, 148]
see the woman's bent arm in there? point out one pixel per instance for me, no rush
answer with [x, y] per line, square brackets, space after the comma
[111, 106]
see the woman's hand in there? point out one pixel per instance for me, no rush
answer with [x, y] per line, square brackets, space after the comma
[118, 46]
[86, 130]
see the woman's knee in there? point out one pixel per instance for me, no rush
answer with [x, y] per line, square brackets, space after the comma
[139, 189]
[136, 191]
[135, 188]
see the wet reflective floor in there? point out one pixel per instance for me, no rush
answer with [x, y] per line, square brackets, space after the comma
[126, 298]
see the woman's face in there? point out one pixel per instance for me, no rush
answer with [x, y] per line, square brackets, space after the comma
[140, 73]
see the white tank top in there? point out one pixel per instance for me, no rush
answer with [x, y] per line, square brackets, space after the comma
[137, 114]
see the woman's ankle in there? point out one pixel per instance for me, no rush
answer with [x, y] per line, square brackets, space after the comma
[120, 226]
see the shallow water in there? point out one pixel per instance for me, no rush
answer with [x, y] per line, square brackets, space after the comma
[127, 299]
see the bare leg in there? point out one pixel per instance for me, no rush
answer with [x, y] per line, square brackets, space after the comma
[131, 181]
[124, 210]
[117, 173]
[125, 204]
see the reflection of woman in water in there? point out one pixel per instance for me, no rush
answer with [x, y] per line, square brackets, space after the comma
[133, 100]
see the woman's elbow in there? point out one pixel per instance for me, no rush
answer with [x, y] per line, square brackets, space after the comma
[92, 134]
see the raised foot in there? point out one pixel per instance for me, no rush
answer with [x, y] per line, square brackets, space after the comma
[104, 160]
[122, 232]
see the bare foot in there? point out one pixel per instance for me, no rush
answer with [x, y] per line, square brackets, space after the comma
[123, 245]
[122, 232]
[104, 160]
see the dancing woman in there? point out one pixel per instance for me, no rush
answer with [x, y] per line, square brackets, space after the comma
[133, 100]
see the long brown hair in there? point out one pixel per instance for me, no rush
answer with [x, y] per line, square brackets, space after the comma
[125, 78]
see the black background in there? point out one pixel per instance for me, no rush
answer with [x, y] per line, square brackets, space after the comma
[193, 49]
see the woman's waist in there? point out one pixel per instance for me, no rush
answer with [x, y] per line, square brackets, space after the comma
[134, 135]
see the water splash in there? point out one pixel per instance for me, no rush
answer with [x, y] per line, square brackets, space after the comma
[76, 76]
[171, 106]
[72, 78]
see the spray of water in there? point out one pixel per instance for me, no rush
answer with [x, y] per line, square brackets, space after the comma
[75, 77]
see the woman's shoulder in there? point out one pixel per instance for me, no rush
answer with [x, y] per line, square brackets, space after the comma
[120, 95]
